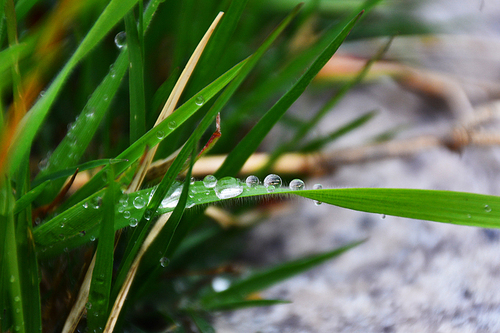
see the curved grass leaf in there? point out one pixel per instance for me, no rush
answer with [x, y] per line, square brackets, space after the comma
[29, 197]
[252, 140]
[261, 280]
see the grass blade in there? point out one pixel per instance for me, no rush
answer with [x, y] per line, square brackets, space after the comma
[200, 322]
[100, 287]
[136, 79]
[229, 306]
[29, 197]
[261, 280]
[318, 143]
[252, 140]
[440, 206]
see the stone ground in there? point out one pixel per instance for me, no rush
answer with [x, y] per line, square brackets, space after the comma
[410, 276]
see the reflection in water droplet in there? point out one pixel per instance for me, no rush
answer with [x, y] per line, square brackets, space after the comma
[121, 39]
[210, 181]
[317, 187]
[139, 202]
[272, 180]
[199, 100]
[164, 261]
[228, 187]
[297, 185]
[252, 181]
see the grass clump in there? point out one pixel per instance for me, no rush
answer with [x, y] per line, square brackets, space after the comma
[117, 101]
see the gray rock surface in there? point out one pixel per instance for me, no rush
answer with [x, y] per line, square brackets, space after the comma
[410, 276]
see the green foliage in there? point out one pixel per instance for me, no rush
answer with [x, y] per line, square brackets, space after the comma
[51, 236]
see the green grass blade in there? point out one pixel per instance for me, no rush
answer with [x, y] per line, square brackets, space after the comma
[12, 262]
[441, 206]
[261, 280]
[252, 140]
[318, 143]
[100, 287]
[29, 197]
[200, 322]
[136, 79]
[157, 134]
[230, 306]
[31, 123]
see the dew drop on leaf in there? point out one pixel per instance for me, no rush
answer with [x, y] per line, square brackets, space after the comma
[297, 185]
[172, 124]
[160, 134]
[126, 214]
[272, 180]
[210, 181]
[228, 187]
[133, 222]
[164, 261]
[139, 202]
[199, 100]
[317, 187]
[487, 208]
[252, 181]
[121, 39]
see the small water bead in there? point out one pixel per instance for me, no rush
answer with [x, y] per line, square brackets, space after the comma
[272, 180]
[199, 100]
[252, 181]
[121, 209]
[160, 134]
[88, 305]
[126, 214]
[121, 39]
[487, 208]
[220, 284]
[124, 200]
[210, 181]
[92, 238]
[133, 222]
[85, 205]
[105, 97]
[317, 187]
[228, 187]
[17, 299]
[192, 180]
[148, 214]
[12, 278]
[172, 124]
[297, 185]
[164, 261]
[139, 202]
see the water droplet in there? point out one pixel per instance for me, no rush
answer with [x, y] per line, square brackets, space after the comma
[133, 222]
[192, 180]
[121, 39]
[317, 187]
[96, 202]
[139, 202]
[12, 278]
[220, 284]
[297, 185]
[92, 238]
[121, 209]
[228, 187]
[42, 93]
[272, 180]
[88, 305]
[487, 208]
[164, 261]
[148, 214]
[126, 214]
[43, 164]
[17, 299]
[172, 124]
[90, 114]
[210, 181]
[199, 100]
[105, 97]
[85, 205]
[124, 200]
[252, 181]
[160, 134]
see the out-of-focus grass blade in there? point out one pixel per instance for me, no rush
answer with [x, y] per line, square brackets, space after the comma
[158, 133]
[136, 79]
[441, 206]
[11, 262]
[70, 171]
[200, 322]
[207, 66]
[318, 143]
[31, 123]
[8, 56]
[229, 306]
[261, 280]
[100, 287]
[252, 140]
[309, 125]
[29, 197]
